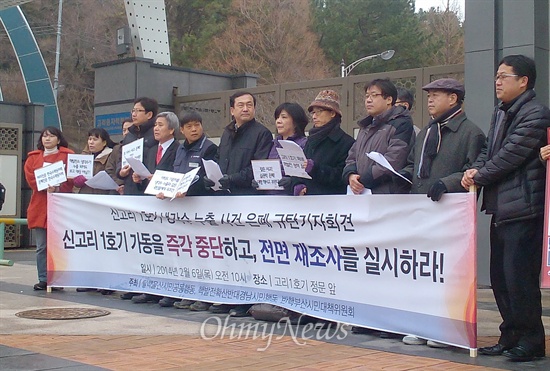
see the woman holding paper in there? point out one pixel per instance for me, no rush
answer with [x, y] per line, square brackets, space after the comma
[100, 146]
[290, 122]
[52, 147]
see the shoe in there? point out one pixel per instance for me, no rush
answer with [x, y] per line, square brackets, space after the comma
[199, 306]
[220, 308]
[128, 295]
[40, 286]
[183, 303]
[436, 344]
[167, 302]
[522, 354]
[84, 289]
[145, 298]
[495, 350]
[363, 330]
[389, 335]
[413, 340]
[240, 311]
[106, 292]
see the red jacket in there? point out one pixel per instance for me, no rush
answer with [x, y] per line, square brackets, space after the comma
[37, 210]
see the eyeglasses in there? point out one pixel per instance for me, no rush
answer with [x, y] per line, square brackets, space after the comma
[372, 95]
[317, 112]
[502, 76]
[135, 110]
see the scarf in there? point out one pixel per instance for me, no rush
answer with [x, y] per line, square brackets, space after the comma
[52, 151]
[432, 141]
[317, 134]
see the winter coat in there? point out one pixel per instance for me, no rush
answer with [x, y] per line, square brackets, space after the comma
[166, 162]
[144, 131]
[189, 157]
[38, 206]
[113, 162]
[392, 135]
[329, 155]
[99, 165]
[509, 169]
[238, 147]
[461, 143]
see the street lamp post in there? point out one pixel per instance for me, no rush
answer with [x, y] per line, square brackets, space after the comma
[346, 70]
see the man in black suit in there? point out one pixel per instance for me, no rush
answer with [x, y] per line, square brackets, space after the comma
[159, 157]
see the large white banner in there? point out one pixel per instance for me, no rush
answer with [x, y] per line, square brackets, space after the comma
[399, 263]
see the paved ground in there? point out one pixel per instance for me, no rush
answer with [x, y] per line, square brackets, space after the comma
[147, 337]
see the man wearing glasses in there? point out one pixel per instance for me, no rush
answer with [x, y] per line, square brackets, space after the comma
[388, 130]
[513, 181]
[143, 118]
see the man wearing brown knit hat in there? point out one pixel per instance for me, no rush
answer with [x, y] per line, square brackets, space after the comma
[326, 149]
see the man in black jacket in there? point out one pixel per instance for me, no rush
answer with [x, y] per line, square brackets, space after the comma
[143, 116]
[513, 181]
[242, 141]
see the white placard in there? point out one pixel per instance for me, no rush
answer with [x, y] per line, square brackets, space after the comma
[381, 160]
[80, 165]
[213, 172]
[170, 183]
[102, 180]
[267, 174]
[366, 191]
[51, 175]
[293, 158]
[138, 167]
[134, 150]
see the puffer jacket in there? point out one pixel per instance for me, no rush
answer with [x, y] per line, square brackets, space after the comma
[392, 135]
[511, 173]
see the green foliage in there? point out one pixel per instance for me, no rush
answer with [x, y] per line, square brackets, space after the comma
[191, 25]
[352, 29]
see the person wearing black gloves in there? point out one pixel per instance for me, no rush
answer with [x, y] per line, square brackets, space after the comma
[388, 130]
[447, 146]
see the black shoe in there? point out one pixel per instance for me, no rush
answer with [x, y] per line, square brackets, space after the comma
[389, 335]
[495, 350]
[128, 295]
[167, 302]
[106, 292]
[40, 286]
[522, 354]
[220, 308]
[240, 311]
[145, 298]
[363, 331]
[84, 289]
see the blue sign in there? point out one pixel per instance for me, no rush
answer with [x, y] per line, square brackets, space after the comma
[112, 122]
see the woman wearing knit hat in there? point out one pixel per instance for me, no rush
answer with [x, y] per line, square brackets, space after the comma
[326, 149]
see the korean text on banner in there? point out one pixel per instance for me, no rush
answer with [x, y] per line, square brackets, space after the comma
[399, 263]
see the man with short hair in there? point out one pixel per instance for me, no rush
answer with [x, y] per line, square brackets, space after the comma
[388, 130]
[513, 181]
[242, 141]
[143, 118]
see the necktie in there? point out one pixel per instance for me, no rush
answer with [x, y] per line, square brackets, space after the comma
[159, 154]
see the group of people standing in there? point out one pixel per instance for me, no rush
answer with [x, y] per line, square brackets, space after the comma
[450, 154]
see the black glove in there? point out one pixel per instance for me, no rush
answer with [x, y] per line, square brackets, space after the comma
[254, 184]
[285, 182]
[225, 181]
[208, 183]
[436, 190]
